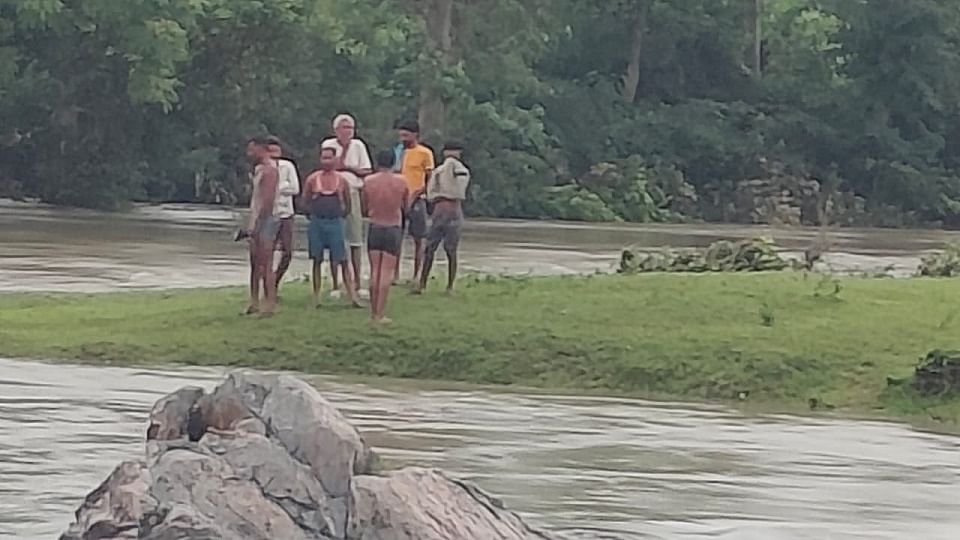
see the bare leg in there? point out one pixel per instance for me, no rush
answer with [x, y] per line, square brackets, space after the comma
[317, 281]
[254, 306]
[285, 257]
[269, 278]
[389, 265]
[284, 241]
[357, 262]
[428, 256]
[396, 272]
[334, 276]
[417, 258]
[348, 284]
[376, 276]
[452, 264]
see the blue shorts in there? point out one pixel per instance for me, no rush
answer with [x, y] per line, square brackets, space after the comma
[327, 235]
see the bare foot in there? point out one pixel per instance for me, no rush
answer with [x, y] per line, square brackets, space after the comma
[449, 292]
[251, 310]
[266, 314]
[416, 291]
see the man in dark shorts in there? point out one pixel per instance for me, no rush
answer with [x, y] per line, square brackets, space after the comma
[446, 190]
[327, 194]
[384, 198]
[288, 188]
[262, 228]
[415, 164]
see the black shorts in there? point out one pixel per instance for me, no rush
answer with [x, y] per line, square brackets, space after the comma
[385, 239]
[415, 221]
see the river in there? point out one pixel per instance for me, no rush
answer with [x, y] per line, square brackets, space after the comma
[584, 466]
[589, 467]
[45, 248]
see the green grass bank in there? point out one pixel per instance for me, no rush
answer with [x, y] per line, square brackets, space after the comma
[769, 341]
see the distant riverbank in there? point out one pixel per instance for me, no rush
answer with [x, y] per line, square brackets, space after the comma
[785, 341]
[190, 246]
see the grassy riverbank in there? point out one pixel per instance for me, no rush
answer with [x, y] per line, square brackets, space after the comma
[774, 341]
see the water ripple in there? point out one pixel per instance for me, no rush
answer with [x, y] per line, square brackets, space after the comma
[591, 468]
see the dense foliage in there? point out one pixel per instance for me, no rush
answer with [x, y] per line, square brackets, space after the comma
[812, 111]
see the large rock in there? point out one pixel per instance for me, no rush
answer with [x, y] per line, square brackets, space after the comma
[267, 457]
[115, 508]
[420, 504]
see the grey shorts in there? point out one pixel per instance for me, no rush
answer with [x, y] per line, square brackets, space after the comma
[446, 229]
[415, 222]
[267, 230]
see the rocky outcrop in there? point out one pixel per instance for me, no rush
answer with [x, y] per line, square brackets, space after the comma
[267, 457]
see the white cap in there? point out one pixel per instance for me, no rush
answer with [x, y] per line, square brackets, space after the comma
[341, 118]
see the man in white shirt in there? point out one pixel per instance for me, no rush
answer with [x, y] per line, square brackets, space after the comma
[288, 187]
[354, 165]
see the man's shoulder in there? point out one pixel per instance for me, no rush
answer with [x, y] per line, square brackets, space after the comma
[387, 179]
[264, 168]
[286, 165]
[423, 149]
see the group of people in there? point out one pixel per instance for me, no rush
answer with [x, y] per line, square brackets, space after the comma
[401, 192]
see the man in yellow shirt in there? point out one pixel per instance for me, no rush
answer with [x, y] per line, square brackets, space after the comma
[415, 165]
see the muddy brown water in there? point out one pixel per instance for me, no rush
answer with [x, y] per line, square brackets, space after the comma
[54, 249]
[587, 467]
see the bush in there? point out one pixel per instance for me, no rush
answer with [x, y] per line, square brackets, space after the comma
[758, 255]
[573, 202]
[942, 264]
[938, 374]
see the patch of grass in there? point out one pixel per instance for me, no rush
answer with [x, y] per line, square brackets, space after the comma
[661, 335]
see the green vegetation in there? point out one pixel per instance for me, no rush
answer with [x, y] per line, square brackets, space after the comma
[797, 111]
[785, 340]
[944, 263]
[757, 255]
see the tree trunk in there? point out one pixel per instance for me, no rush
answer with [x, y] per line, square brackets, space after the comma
[631, 79]
[758, 38]
[432, 107]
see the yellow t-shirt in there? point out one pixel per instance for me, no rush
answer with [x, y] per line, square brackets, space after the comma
[417, 165]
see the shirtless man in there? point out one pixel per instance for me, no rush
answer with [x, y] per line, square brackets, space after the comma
[328, 196]
[446, 189]
[262, 228]
[384, 199]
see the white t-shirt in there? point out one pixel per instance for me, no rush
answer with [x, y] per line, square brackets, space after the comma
[288, 187]
[357, 158]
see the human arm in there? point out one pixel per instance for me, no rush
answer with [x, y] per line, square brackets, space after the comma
[363, 166]
[432, 183]
[289, 180]
[345, 196]
[364, 203]
[404, 206]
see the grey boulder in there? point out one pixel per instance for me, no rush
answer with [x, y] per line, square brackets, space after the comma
[267, 457]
